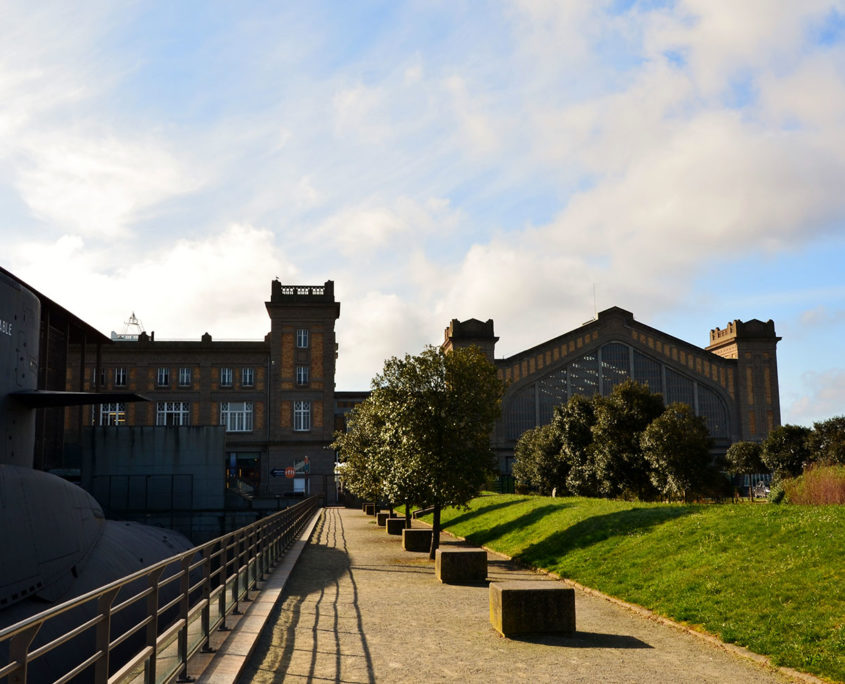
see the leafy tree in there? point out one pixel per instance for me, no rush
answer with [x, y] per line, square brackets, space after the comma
[620, 467]
[439, 411]
[365, 462]
[785, 450]
[538, 461]
[827, 441]
[743, 458]
[676, 445]
[573, 422]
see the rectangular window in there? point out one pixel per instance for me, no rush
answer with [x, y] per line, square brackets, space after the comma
[173, 413]
[101, 377]
[302, 416]
[247, 377]
[225, 377]
[302, 375]
[185, 377]
[236, 416]
[163, 377]
[113, 414]
[120, 377]
[302, 338]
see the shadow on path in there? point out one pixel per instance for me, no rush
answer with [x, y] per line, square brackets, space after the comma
[584, 640]
[311, 603]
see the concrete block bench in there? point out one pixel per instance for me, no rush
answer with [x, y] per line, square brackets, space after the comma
[532, 607]
[460, 566]
[370, 509]
[416, 539]
[395, 525]
[382, 516]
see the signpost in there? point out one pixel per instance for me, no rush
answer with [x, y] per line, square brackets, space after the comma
[289, 472]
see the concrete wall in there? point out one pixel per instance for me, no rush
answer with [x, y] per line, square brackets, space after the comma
[155, 468]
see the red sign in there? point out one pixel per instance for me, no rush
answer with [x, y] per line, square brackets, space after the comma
[290, 472]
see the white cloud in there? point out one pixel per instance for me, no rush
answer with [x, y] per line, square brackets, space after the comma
[822, 396]
[375, 326]
[217, 284]
[95, 184]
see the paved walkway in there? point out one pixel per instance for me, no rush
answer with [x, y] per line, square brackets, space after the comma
[357, 608]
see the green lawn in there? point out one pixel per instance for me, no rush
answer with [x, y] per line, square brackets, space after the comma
[771, 578]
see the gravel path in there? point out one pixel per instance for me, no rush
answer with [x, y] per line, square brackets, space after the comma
[358, 608]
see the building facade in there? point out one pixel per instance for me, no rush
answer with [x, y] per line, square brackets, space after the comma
[274, 397]
[732, 383]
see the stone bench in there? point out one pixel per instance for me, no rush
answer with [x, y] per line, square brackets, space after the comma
[395, 525]
[532, 607]
[460, 566]
[370, 509]
[382, 516]
[416, 539]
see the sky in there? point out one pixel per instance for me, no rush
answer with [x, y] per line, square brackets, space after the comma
[527, 161]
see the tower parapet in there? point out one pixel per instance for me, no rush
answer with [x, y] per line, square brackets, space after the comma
[468, 333]
[305, 294]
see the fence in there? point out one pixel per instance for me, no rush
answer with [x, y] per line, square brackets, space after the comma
[146, 626]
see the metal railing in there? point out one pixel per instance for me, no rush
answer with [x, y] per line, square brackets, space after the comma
[146, 626]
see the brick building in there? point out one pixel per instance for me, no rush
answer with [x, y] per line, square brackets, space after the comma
[274, 397]
[732, 383]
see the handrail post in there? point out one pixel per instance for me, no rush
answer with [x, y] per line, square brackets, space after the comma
[152, 626]
[206, 595]
[103, 636]
[184, 606]
[19, 652]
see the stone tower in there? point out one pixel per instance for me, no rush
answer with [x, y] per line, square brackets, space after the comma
[468, 333]
[754, 346]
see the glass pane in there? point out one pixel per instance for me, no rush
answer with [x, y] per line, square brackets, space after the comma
[647, 372]
[584, 375]
[615, 365]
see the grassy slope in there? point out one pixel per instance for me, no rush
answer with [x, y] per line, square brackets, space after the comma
[771, 578]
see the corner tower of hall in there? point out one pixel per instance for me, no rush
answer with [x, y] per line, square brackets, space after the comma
[753, 344]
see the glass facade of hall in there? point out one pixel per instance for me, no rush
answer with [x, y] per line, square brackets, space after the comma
[599, 371]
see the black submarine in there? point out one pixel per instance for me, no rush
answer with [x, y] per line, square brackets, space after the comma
[55, 542]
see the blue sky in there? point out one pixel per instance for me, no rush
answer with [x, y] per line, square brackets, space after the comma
[437, 160]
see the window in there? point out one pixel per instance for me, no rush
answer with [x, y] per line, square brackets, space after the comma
[302, 375]
[302, 338]
[236, 416]
[302, 416]
[113, 414]
[247, 377]
[163, 377]
[120, 377]
[173, 413]
[185, 377]
[101, 377]
[225, 377]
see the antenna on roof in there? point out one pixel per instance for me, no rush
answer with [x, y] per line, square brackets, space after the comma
[595, 304]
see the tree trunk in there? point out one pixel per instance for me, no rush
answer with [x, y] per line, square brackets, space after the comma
[435, 531]
[407, 514]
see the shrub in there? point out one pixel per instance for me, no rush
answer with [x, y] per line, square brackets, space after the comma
[777, 492]
[817, 486]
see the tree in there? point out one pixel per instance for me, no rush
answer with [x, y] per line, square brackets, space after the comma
[743, 458]
[676, 445]
[621, 468]
[538, 461]
[827, 441]
[439, 411]
[785, 450]
[573, 422]
[360, 450]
